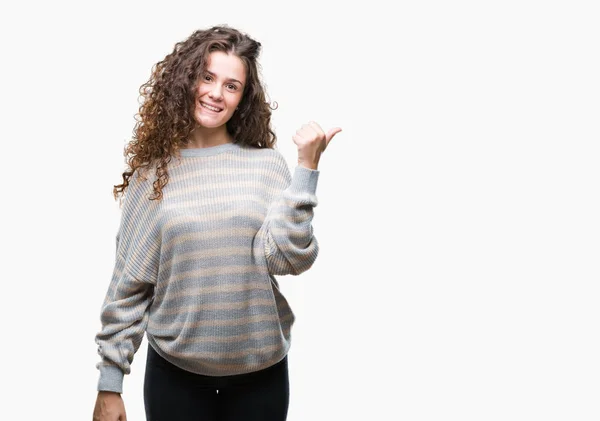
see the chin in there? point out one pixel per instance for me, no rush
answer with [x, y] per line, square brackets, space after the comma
[209, 123]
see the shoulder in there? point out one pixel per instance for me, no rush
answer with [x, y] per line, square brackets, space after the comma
[268, 158]
[262, 152]
[141, 181]
[273, 166]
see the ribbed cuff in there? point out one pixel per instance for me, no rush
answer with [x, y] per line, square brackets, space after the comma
[304, 180]
[111, 378]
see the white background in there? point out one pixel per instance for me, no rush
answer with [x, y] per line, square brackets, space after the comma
[458, 208]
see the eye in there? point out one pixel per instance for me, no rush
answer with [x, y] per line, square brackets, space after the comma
[207, 77]
[234, 87]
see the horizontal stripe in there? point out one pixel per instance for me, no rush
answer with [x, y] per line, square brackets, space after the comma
[209, 175]
[206, 236]
[174, 330]
[213, 305]
[208, 257]
[191, 278]
[155, 324]
[224, 355]
[245, 337]
[227, 201]
[224, 311]
[206, 217]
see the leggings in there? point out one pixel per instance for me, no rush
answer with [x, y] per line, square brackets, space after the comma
[174, 394]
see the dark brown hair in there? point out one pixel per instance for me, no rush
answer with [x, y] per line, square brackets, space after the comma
[166, 114]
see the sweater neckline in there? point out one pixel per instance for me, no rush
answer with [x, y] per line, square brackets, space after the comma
[209, 150]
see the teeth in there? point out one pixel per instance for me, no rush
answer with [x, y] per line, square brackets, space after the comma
[209, 107]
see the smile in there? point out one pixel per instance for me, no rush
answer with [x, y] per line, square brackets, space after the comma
[210, 107]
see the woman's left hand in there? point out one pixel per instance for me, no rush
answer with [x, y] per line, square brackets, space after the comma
[312, 141]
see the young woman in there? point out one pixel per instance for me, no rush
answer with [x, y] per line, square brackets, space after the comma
[210, 214]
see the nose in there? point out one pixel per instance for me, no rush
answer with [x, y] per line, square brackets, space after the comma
[215, 93]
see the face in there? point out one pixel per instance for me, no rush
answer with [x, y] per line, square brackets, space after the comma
[221, 86]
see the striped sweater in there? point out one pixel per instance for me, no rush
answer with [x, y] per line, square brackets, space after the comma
[195, 271]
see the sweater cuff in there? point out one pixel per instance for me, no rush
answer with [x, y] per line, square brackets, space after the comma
[304, 180]
[111, 378]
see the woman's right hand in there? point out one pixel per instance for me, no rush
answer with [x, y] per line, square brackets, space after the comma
[109, 407]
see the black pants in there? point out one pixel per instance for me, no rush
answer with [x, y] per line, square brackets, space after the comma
[174, 394]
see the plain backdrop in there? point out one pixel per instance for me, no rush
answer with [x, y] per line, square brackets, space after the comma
[458, 209]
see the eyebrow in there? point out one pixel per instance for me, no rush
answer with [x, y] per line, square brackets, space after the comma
[230, 79]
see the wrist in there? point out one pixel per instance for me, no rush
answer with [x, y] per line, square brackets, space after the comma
[310, 165]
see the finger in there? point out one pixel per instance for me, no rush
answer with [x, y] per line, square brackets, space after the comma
[331, 133]
[316, 127]
[310, 130]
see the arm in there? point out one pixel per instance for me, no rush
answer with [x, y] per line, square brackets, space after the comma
[124, 314]
[290, 246]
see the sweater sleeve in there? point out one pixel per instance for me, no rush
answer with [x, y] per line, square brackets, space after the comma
[289, 242]
[124, 315]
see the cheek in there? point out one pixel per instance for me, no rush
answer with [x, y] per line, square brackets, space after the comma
[202, 91]
[232, 101]
[237, 100]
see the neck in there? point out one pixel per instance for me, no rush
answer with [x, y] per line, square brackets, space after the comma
[203, 137]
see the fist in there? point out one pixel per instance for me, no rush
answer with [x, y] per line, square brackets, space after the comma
[311, 141]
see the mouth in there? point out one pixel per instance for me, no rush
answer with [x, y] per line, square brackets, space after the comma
[210, 107]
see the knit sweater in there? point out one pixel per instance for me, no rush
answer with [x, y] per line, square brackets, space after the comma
[196, 270]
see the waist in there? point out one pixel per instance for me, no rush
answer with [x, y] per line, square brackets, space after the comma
[155, 359]
[221, 359]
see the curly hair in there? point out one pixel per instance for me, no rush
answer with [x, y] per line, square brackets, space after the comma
[166, 113]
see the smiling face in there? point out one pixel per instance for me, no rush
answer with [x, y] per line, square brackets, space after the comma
[219, 90]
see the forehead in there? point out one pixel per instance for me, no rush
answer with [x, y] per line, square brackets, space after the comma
[226, 66]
